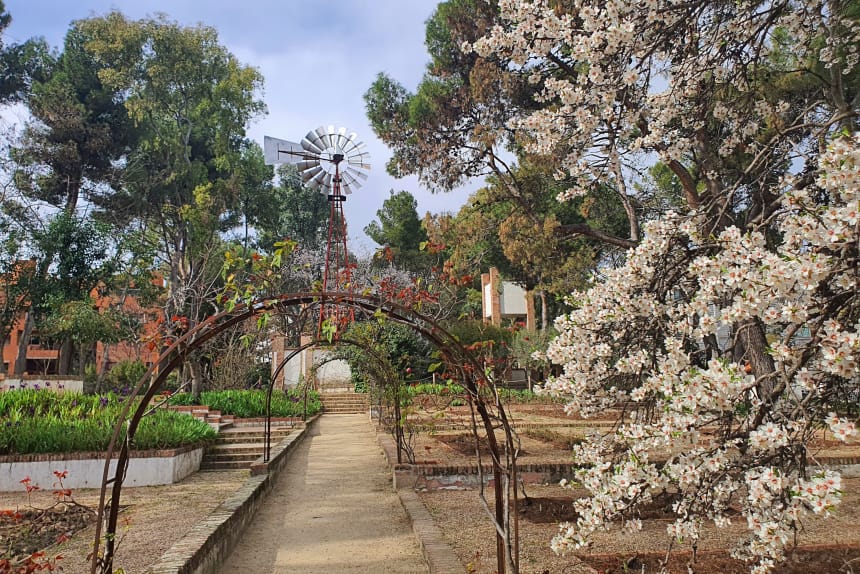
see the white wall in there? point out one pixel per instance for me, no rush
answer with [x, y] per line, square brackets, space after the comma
[88, 473]
[74, 385]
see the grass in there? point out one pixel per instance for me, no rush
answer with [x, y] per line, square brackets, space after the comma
[252, 404]
[40, 421]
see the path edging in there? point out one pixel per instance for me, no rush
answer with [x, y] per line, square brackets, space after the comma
[440, 557]
[205, 547]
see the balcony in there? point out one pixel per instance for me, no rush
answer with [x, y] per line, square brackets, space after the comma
[39, 352]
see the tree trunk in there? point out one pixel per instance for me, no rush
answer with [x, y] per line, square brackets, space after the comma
[82, 359]
[544, 311]
[21, 359]
[65, 359]
[196, 378]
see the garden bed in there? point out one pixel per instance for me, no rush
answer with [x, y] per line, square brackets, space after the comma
[445, 475]
[826, 545]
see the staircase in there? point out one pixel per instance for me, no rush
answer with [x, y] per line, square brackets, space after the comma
[344, 402]
[238, 447]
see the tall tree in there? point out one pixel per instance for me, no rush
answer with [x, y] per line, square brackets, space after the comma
[191, 101]
[75, 140]
[78, 133]
[699, 328]
[399, 230]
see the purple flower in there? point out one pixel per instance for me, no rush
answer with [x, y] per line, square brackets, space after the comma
[48, 384]
[36, 387]
[103, 401]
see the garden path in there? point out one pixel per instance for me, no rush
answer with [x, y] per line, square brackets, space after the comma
[333, 509]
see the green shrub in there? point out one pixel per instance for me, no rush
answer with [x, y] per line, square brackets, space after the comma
[122, 378]
[44, 422]
[252, 404]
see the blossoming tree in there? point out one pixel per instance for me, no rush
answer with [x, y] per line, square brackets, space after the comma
[729, 336]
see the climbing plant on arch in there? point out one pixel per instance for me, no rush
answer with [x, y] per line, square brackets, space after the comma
[460, 363]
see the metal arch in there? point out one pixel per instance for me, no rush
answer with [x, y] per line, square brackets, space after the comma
[172, 356]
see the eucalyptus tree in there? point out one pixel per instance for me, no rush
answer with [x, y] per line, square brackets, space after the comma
[190, 100]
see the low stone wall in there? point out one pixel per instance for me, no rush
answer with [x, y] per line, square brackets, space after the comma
[460, 477]
[210, 541]
[86, 469]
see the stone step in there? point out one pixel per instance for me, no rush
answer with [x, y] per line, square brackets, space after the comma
[233, 448]
[224, 465]
[238, 447]
[246, 457]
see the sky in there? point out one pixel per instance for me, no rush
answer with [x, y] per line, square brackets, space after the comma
[318, 58]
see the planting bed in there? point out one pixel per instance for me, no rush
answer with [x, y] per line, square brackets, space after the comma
[826, 545]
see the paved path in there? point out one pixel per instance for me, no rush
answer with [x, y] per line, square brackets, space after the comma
[333, 510]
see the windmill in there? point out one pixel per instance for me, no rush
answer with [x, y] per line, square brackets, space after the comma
[336, 163]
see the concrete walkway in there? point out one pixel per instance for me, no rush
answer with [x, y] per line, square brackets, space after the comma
[333, 509]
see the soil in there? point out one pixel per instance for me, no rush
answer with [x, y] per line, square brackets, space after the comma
[28, 530]
[149, 521]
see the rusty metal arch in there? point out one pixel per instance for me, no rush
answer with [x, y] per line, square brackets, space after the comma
[471, 374]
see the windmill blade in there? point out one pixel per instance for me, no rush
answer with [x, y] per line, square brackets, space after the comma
[313, 143]
[351, 143]
[311, 173]
[351, 182]
[354, 173]
[342, 140]
[322, 133]
[311, 147]
[307, 164]
[319, 178]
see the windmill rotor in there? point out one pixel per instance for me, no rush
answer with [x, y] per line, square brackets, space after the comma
[328, 158]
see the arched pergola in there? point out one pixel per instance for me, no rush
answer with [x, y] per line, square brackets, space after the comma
[459, 360]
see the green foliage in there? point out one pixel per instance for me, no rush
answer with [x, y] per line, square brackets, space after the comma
[399, 230]
[124, 376]
[252, 404]
[472, 331]
[41, 421]
[290, 210]
[453, 390]
[391, 342]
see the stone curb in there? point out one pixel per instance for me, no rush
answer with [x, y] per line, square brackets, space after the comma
[205, 547]
[439, 555]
